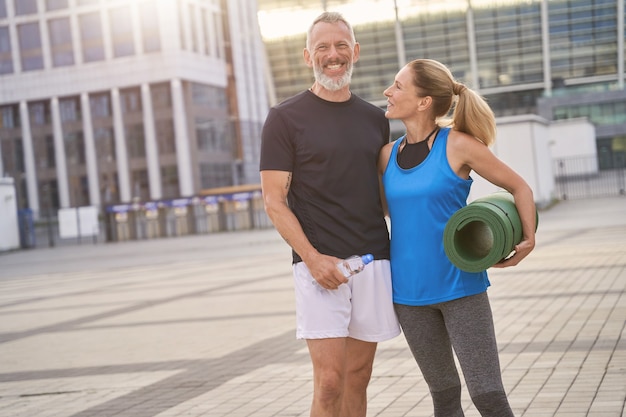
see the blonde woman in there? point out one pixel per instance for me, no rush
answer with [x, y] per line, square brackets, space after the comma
[426, 178]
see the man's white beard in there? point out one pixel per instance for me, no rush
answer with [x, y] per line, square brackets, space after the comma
[330, 83]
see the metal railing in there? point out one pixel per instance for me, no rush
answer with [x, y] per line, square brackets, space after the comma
[583, 177]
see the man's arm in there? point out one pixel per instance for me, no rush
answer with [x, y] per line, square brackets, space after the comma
[275, 186]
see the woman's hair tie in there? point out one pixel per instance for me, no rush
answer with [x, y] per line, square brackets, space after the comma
[458, 88]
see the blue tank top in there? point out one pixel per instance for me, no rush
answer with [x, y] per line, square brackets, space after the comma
[420, 202]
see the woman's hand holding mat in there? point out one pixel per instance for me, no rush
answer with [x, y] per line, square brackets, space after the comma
[483, 233]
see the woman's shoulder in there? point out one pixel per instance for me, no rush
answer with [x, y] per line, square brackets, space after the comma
[385, 153]
[391, 144]
[388, 147]
[463, 140]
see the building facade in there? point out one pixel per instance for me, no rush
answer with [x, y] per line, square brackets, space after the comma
[559, 59]
[116, 101]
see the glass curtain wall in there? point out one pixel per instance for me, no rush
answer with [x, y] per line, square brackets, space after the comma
[493, 45]
[583, 38]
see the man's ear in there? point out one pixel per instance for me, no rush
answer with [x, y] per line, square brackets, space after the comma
[357, 53]
[307, 58]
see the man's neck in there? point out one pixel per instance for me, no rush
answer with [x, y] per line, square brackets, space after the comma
[341, 95]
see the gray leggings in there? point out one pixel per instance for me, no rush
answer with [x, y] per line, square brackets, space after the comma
[467, 325]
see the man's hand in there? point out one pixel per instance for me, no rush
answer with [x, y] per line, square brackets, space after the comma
[325, 272]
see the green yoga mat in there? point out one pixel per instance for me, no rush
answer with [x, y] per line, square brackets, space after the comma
[483, 233]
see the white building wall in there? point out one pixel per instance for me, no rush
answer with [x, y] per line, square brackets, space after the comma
[121, 72]
[249, 69]
[572, 138]
[177, 63]
[9, 230]
[522, 143]
[573, 147]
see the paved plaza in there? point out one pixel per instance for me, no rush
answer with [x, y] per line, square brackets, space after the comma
[205, 326]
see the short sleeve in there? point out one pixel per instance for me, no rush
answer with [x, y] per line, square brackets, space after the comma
[277, 144]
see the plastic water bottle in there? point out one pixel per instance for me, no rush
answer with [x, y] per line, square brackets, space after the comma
[352, 265]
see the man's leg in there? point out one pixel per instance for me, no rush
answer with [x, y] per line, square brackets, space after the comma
[359, 362]
[329, 360]
[342, 368]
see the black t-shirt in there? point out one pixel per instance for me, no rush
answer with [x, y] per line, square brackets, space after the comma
[332, 150]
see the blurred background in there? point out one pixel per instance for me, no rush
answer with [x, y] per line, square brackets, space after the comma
[139, 119]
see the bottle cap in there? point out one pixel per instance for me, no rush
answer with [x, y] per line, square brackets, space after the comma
[367, 258]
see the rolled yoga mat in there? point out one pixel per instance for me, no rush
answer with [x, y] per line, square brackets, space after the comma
[483, 233]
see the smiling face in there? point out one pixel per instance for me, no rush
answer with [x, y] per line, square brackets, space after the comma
[331, 52]
[402, 96]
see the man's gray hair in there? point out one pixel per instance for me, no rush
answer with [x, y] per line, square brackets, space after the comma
[330, 17]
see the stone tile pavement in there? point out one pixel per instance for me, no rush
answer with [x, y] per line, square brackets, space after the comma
[204, 326]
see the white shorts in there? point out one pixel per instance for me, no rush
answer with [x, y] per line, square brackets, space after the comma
[361, 309]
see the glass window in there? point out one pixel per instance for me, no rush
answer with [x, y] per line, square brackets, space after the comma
[508, 44]
[70, 109]
[25, 6]
[214, 175]
[61, 42]
[161, 96]
[108, 188]
[50, 152]
[139, 180]
[169, 178]
[39, 113]
[166, 138]
[135, 140]
[100, 105]
[19, 155]
[214, 134]
[80, 194]
[49, 196]
[512, 103]
[9, 117]
[150, 27]
[209, 96]
[121, 32]
[30, 46]
[6, 57]
[13, 155]
[3, 9]
[44, 151]
[56, 4]
[105, 144]
[582, 38]
[6, 157]
[131, 100]
[91, 37]
[74, 148]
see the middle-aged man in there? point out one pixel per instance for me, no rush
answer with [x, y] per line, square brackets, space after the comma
[321, 190]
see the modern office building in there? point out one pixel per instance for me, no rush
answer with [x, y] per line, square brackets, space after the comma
[559, 59]
[117, 101]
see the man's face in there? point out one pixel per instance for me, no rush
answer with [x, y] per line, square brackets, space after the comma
[332, 55]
